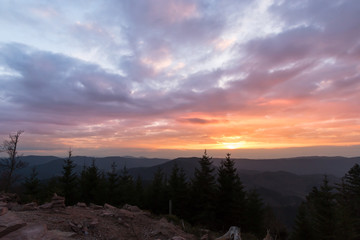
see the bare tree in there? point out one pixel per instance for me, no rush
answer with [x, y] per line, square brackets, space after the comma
[9, 165]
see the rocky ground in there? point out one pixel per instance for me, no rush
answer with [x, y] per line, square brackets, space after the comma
[55, 221]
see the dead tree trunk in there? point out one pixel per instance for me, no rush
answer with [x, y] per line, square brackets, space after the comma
[10, 164]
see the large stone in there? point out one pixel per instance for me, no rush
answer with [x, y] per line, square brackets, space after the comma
[95, 207]
[107, 213]
[60, 234]
[178, 238]
[14, 206]
[108, 206]
[3, 210]
[57, 197]
[29, 232]
[9, 222]
[131, 208]
[46, 206]
[37, 232]
[9, 197]
[233, 233]
[81, 204]
[205, 237]
[26, 207]
[58, 201]
[268, 236]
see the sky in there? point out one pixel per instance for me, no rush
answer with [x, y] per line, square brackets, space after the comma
[174, 77]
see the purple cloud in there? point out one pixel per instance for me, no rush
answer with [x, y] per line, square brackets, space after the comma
[147, 70]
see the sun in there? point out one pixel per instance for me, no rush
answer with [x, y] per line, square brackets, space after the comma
[233, 145]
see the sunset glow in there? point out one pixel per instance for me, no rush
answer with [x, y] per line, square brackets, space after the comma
[107, 77]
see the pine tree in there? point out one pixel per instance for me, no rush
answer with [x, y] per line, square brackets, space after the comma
[346, 219]
[113, 185]
[324, 217]
[320, 207]
[139, 193]
[253, 216]
[203, 192]
[178, 189]
[350, 191]
[100, 190]
[32, 186]
[68, 181]
[272, 222]
[230, 208]
[52, 186]
[156, 196]
[127, 187]
[89, 182]
[303, 228]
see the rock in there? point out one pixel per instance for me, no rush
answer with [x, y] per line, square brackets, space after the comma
[72, 224]
[233, 233]
[14, 206]
[95, 207]
[56, 197]
[268, 236]
[9, 197]
[177, 238]
[75, 227]
[9, 222]
[38, 232]
[155, 233]
[3, 210]
[107, 214]
[94, 222]
[29, 232]
[62, 234]
[46, 206]
[108, 206]
[3, 204]
[204, 237]
[58, 201]
[125, 214]
[81, 204]
[131, 208]
[29, 207]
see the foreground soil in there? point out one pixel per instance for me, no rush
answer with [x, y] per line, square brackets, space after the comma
[104, 223]
[55, 221]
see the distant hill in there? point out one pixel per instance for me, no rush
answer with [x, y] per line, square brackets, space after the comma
[49, 166]
[336, 166]
[33, 160]
[286, 183]
[147, 174]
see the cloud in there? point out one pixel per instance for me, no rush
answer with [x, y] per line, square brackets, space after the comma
[181, 73]
[198, 121]
[53, 83]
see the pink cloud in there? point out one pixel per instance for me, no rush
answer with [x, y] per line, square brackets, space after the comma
[157, 84]
[172, 11]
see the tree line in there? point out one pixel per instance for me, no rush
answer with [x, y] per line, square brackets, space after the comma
[331, 211]
[212, 198]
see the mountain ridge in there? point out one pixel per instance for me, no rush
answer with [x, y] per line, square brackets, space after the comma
[336, 166]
